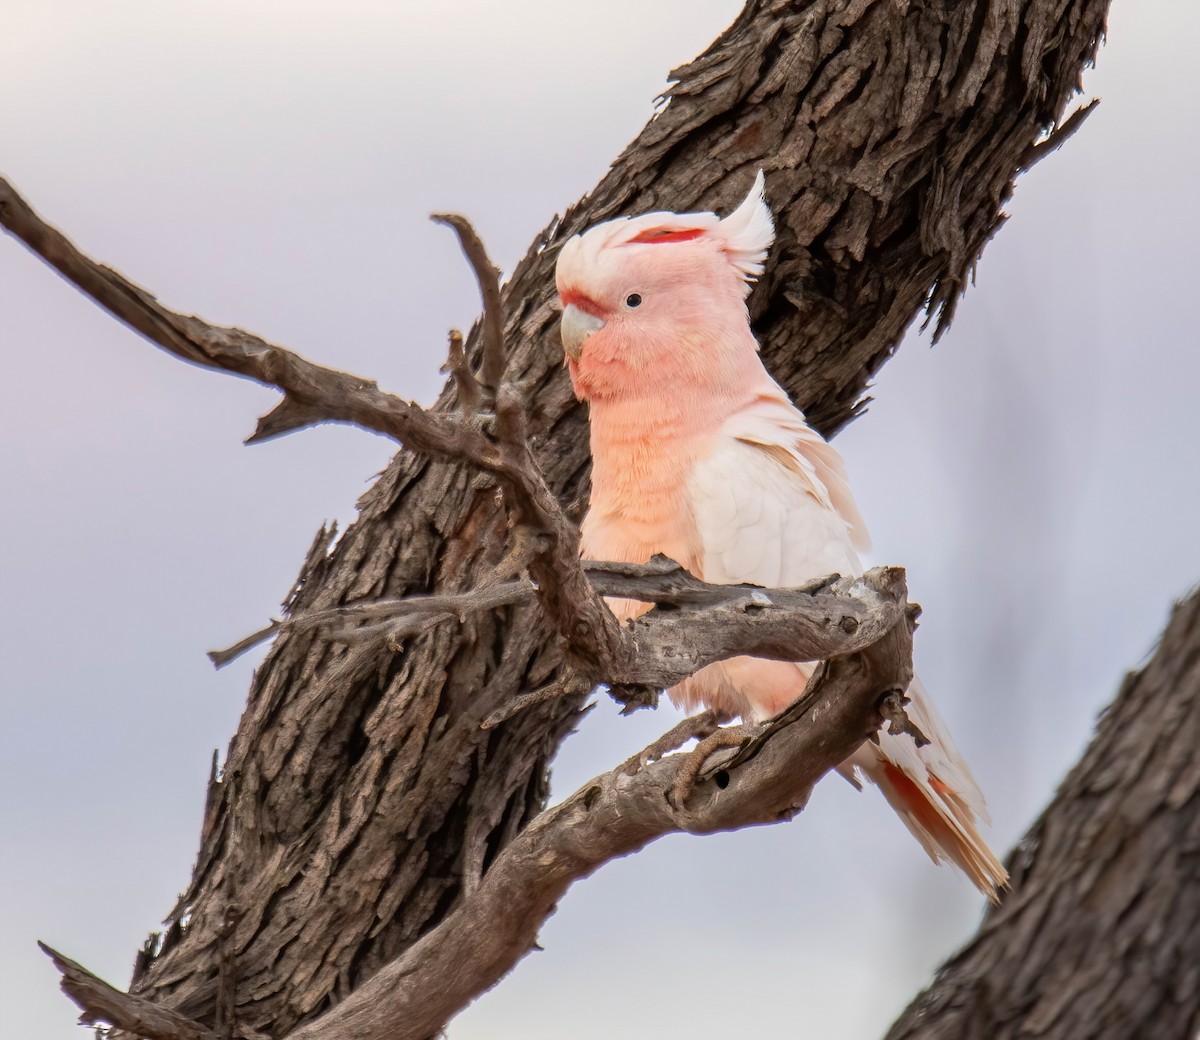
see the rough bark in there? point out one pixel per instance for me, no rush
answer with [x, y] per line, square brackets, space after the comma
[1101, 935]
[360, 798]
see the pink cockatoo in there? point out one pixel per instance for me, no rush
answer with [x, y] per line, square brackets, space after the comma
[697, 453]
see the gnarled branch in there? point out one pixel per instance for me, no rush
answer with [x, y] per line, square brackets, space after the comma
[313, 393]
[616, 814]
[698, 622]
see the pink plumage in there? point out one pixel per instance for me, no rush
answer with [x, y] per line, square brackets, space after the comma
[697, 453]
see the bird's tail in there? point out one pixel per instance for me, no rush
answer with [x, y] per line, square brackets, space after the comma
[935, 795]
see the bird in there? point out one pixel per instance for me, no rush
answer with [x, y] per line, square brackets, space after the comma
[700, 455]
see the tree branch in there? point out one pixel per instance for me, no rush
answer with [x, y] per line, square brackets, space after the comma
[495, 353]
[696, 624]
[768, 781]
[313, 393]
[612, 816]
[470, 393]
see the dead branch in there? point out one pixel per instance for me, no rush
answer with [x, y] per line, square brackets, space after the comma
[470, 393]
[612, 816]
[384, 612]
[220, 658]
[313, 393]
[495, 353]
[700, 622]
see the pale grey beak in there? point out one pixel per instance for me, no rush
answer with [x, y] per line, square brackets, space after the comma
[577, 325]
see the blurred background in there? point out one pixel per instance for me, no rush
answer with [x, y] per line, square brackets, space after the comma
[272, 166]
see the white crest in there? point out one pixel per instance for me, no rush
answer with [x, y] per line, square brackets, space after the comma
[748, 232]
[743, 237]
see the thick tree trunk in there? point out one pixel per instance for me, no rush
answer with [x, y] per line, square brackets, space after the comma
[360, 796]
[1101, 935]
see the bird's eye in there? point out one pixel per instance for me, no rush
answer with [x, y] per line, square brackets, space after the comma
[633, 300]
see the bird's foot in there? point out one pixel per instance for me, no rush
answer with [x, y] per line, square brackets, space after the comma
[696, 727]
[693, 765]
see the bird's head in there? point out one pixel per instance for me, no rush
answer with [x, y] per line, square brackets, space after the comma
[659, 294]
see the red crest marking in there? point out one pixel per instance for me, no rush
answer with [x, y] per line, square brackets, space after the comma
[656, 235]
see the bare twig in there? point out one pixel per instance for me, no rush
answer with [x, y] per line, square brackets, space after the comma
[1058, 136]
[459, 604]
[220, 658]
[383, 613]
[495, 355]
[565, 686]
[312, 393]
[829, 617]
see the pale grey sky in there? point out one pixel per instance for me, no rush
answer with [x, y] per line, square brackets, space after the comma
[272, 166]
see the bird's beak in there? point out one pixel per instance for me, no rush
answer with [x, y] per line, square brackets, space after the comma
[577, 325]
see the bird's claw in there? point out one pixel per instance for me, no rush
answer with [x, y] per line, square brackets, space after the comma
[692, 766]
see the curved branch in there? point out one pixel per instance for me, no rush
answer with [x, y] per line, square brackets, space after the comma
[487, 274]
[612, 816]
[312, 393]
[616, 814]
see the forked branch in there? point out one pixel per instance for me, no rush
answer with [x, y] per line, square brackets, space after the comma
[313, 393]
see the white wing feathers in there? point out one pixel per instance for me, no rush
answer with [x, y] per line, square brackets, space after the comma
[772, 506]
[771, 503]
[776, 425]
